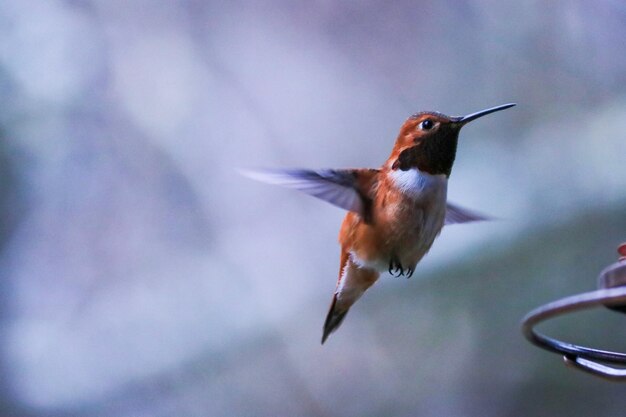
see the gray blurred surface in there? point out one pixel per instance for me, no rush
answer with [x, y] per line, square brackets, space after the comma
[142, 276]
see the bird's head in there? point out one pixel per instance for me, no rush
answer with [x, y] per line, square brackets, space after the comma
[428, 141]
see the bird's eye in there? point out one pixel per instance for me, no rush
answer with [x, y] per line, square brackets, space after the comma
[427, 124]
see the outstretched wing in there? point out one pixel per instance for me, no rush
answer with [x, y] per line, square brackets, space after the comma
[456, 214]
[345, 188]
[349, 189]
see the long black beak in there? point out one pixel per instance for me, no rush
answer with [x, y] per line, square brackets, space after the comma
[466, 119]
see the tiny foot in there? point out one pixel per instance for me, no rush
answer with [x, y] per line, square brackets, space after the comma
[395, 267]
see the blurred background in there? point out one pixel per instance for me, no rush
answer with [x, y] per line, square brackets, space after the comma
[142, 276]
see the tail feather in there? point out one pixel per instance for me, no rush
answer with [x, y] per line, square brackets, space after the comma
[333, 319]
[352, 283]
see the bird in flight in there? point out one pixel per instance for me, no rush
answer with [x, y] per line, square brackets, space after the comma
[395, 212]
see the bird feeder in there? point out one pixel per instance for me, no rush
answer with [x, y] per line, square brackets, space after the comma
[611, 293]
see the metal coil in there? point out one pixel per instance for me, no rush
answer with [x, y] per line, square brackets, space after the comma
[611, 294]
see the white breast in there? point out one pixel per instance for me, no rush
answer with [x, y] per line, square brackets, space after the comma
[417, 184]
[429, 192]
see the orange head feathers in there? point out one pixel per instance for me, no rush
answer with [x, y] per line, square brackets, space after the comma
[428, 141]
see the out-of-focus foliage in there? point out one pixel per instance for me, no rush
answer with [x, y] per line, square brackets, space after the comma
[142, 276]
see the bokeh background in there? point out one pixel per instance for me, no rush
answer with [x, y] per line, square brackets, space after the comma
[140, 275]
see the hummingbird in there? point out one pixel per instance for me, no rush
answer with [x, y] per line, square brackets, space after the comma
[395, 212]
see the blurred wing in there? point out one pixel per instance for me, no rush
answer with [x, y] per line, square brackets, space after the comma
[456, 214]
[345, 188]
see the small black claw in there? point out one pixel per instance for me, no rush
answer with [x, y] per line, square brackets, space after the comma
[392, 266]
[395, 267]
[401, 270]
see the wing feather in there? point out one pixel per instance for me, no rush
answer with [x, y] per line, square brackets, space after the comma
[456, 214]
[343, 188]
